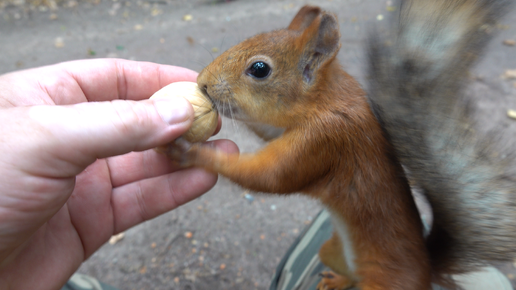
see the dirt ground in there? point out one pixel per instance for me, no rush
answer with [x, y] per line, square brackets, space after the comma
[229, 238]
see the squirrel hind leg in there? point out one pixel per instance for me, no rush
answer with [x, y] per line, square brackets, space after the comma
[332, 255]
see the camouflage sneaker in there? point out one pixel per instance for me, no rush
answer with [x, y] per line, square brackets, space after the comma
[300, 267]
[83, 282]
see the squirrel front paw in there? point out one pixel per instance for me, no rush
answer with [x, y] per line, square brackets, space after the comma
[181, 152]
[333, 281]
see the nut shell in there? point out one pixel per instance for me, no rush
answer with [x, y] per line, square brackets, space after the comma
[206, 116]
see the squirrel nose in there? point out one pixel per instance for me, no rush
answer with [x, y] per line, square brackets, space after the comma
[202, 82]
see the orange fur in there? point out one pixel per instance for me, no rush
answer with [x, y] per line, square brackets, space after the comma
[332, 148]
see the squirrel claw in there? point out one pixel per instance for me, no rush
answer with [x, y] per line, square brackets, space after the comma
[333, 281]
[180, 151]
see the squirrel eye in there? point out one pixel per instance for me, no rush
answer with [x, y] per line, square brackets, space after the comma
[259, 70]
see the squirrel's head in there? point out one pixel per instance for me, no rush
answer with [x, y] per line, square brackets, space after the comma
[270, 78]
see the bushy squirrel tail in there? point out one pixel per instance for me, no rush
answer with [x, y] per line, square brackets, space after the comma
[416, 74]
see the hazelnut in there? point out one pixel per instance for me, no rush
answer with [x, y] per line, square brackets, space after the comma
[206, 116]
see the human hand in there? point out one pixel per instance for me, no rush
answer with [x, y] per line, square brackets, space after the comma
[62, 194]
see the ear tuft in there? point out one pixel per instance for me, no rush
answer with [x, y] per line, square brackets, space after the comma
[304, 18]
[328, 38]
[320, 42]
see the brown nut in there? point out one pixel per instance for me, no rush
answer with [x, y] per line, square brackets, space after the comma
[206, 116]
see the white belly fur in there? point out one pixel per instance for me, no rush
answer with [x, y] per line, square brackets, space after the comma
[342, 230]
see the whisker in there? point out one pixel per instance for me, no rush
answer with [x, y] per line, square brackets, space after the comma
[211, 54]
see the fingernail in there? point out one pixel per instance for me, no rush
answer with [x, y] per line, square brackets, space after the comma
[173, 110]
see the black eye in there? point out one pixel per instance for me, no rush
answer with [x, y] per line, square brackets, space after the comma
[259, 70]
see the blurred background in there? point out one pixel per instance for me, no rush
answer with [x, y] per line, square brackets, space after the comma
[229, 238]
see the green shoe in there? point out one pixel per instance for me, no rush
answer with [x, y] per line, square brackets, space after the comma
[300, 267]
[83, 282]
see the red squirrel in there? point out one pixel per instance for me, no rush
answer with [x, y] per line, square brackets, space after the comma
[416, 79]
[331, 148]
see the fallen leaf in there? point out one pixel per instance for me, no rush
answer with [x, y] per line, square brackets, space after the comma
[511, 114]
[143, 270]
[59, 42]
[188, 235]
[72, 4]
[222, 266]
[190, 40]
[116, 238]
[509, 74]
[156, 11]
[187, 17]
[509, 42]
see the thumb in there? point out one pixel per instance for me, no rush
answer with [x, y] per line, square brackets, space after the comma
[69, 138]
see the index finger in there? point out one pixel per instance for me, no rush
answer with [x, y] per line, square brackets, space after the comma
[109, 79]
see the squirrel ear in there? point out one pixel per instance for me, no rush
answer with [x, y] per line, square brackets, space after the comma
[304, 18]
[320, 42]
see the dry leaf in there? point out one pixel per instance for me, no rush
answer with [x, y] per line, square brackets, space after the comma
[509, 74]
[116, 238]
[156, 11]
[509, 42]
[511, 114]
[188, 17]
[190, 40]
[59, 42]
